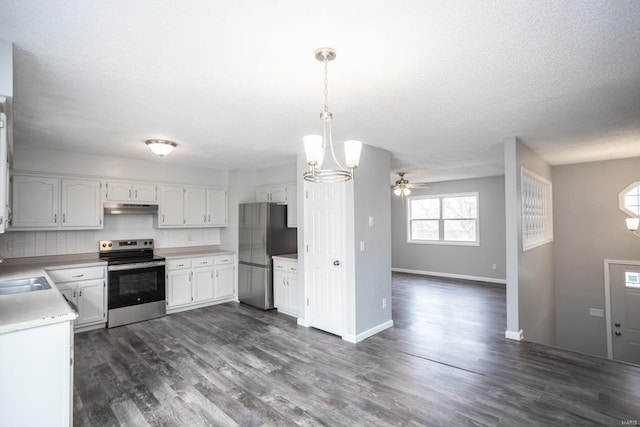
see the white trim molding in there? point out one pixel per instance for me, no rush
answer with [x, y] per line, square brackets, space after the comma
[516, 336]
[450, 275]
[366, 334]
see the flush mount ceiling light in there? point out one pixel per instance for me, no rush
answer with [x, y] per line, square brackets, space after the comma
[316, 145]
[160, 147]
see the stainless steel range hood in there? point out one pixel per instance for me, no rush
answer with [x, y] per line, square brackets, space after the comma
[129, 208]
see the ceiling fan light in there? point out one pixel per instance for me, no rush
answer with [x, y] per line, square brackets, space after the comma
[406, 191]
[313, 149]
[397, 191]
[160, 147]
[352, 151]
[633, 224]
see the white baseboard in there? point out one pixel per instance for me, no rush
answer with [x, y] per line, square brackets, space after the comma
[516, 336]
[451, 275]
[366, 334]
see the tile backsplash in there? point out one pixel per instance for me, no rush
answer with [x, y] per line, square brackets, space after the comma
[18, 244]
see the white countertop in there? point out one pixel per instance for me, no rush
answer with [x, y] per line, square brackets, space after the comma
[192, 251]
[286, 257]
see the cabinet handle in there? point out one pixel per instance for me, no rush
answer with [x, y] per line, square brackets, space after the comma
[212, 274]
[55, 218]
[74, 293]
[163, 218]
[129, 193]
[287, 281]
[77, 276]
[136, 194]
[204, 219]
[64, 218]
[80, 292]
[217, 273]
[209, 218]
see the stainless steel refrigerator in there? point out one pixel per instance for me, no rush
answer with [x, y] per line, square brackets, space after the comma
[263, 233]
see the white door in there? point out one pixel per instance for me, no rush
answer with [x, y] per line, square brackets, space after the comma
[91, 301]
[224, 281]
[81, 203]
[4, 173]
[217, 207]
[144, 193]
[171, 205]
[195, 211]
[35, 201]
[625, 312]
[179, 288]
[324, 255]
[202, 284]
[118, 191]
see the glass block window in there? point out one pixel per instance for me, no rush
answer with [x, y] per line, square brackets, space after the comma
[629, 199]
[443, 219]
[537, 210]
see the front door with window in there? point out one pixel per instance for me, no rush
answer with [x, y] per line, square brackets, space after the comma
[625, 312]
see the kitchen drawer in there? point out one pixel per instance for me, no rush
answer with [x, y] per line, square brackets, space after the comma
[76, 274]
[279, 265]
[226, 259]
[175, 264]
[201, 261]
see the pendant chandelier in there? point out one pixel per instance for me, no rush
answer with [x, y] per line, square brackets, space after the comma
[315, 146]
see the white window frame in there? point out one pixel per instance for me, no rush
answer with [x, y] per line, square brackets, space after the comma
[621, 199]
[536, 210]
[441, 220]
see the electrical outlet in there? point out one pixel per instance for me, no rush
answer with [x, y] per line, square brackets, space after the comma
[362, 246]
[493, 266]
[370, 221]
[384, 303]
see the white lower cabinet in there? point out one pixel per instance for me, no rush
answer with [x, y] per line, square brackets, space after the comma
[285, 286]
[200, 281]
[87, 289]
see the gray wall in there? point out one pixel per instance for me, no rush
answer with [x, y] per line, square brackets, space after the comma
[373, 265]
[589, 227]
[531, 272]
[473, 261]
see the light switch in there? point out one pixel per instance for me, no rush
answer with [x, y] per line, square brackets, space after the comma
[362, 246]
[596, 312]
[370, 221]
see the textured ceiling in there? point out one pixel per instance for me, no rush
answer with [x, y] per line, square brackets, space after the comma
[235, 83]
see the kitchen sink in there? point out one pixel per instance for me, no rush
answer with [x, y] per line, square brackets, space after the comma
[19, 286]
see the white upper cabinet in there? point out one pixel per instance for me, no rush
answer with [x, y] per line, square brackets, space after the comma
[192, 207]
[195, 207]
[171, 206]
[6, 68]
[272, 193]
[50, 202]
[118, 191]
[35, 201]
[81, 203]
[217, 207]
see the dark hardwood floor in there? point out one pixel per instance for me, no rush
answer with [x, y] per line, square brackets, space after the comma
[445, 362]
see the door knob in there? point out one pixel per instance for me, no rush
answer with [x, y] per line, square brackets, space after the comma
[617, 325]
[617, 333]
[336, 263]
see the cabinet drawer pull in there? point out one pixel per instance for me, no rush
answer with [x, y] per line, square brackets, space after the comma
[78, 276]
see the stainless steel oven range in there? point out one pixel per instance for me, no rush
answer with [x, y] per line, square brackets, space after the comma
[136, 281]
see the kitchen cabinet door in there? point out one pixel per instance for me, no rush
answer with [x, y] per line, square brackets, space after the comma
[263, 194]
[144, 193]
[202, 284]
[217, 207]
[70, 292]
[81, 203]
[35, 201]
[278, 194]
[292, 289]
[171, 206]
[91, 302]
[195, 206]
[178, 288]
[292, 206]
[120, 191]
[224, 281]
[280, 295]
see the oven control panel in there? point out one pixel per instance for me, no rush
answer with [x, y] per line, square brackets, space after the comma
[125, 245]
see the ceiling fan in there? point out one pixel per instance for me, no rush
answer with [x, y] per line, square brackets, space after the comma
[403, 187]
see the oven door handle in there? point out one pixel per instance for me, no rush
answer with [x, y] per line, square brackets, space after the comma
[135, 266]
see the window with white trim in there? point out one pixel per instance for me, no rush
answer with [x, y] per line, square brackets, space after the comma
[629, 199]
[443, 219]
[537, 210]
